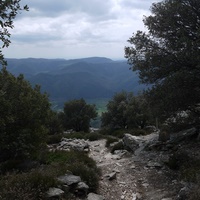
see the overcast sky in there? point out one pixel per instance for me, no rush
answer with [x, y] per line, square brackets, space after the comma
[76, 28]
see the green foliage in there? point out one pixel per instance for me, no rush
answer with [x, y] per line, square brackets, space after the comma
[54, 124]
[54, 139]
[77, 115]
[138, 132]
[23, 117]
[118, 146]
[79, 164]
[93, 136]
[9, 10]
[188, 166]
[110, 140]
[167, 56]
[126, 111]
[32, 185]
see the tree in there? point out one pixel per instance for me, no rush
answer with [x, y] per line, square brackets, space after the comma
[9, 9]
[77, 115]
[168, 55]
[55, 123]
[125, 111]
[24, 114]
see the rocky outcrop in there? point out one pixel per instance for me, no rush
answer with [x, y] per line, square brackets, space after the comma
[131, 142]
[72, 144]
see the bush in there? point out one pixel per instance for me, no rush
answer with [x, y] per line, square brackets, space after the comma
[89, 175]
[54, 139]
[137, 132]
[110, 140]
[79, 164]
[118, 146]
[93, 136]
[75, 135]
[23, 118]
[32, 185]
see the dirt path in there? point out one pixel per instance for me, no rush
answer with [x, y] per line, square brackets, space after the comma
[139, 176]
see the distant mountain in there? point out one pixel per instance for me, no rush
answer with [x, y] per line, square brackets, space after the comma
[87, 78]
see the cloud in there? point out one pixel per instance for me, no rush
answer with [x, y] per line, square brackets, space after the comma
[65, 24]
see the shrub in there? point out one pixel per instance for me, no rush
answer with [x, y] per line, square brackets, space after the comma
[137, 132]
[23, 118]
[32, 185]
[53, 139]
[77, 135]
[93, 136]
[118, 146]
[78, 163]
[89, 175]
[110, 140]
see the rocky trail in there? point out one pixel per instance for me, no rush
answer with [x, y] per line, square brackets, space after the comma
[141, 175]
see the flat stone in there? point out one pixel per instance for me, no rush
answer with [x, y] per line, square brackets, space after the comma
[55, 192]
[69, 179]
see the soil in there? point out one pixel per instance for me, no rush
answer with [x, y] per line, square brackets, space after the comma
[139, 176]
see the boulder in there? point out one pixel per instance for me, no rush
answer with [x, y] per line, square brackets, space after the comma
[131, 142]
[69, 179]
[82, 188]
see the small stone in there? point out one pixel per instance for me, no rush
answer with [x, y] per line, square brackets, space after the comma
[133, 167]
[55, 192]
[111, 176]
[145, 185]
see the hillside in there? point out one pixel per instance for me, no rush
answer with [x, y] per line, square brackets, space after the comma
[88, 78]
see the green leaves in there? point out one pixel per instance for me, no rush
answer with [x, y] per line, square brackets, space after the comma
[77, 115]
[23, 117]
[126, 111]
[9, 9]
[168, 54]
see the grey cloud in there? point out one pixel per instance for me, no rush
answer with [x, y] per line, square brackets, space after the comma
[137, 4]
[52, 8]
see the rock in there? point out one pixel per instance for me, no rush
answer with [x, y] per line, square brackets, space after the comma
[131, 142]
[132, 167]
[167, 199]
[111, 176]
[154, 164]
[184, 135]
[69, 179]
[74, 144]
[55, 192]
[93, 196]
[184, 193]
[82, 187]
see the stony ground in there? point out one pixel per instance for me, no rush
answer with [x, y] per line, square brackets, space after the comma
[138, 176]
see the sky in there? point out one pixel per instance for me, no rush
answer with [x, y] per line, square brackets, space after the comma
[76, 28]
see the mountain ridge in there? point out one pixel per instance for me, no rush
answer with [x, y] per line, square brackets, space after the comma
[88, 78]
